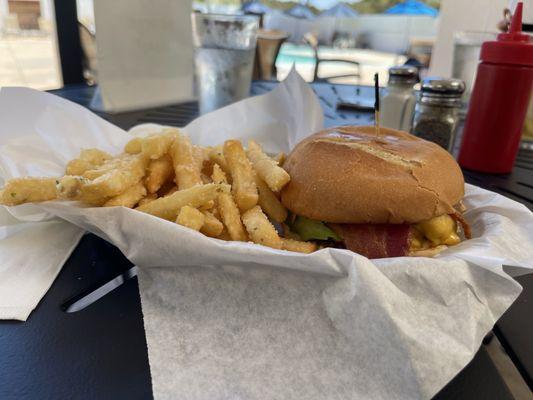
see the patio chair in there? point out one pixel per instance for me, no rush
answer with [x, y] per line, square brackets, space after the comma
[312, 41]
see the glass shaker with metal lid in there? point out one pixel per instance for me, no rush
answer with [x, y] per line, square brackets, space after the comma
[437, 110]
[398, 104]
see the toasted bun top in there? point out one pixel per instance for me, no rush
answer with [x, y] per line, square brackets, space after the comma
[350, 175]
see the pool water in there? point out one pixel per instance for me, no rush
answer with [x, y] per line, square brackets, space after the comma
[291, 53]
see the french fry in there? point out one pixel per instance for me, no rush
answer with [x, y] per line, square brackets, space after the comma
[218, 175]
[134, 146]
[69, 187]
[280, 158]
[200, 155]
[224, 235]
[28, 190]
[78, 166]
[95, 156]
[129, 197]
[243, 184]
[107, 166]
[267, 169]
[191, 218]
[212, 226]
[148, 198]
[216, 155]
[168, 207]
[88, 159]
[269, 202]
[111, 184]
[185, 166]
[298, 246]
[159, 171]
[156, 146]
[229, 212]
[260, 229]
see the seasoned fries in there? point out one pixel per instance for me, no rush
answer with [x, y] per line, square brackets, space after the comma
[260, 229]
[68, 187]
[88, 159]
[129, 197]
[114, 182]
[280, 158]
[298, 246]
[134, 146]
[269, 202]
[212, 226]
[95, 156]
[228, 209]
[168, 207]
[216, 155]
[186, 168]
[191, 218]
[242, 174]
[159, 172]
[224, 192]
[156, 146]
[148, 198]
[267, 169]
[28, 190]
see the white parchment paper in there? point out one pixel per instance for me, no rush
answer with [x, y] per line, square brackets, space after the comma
[228, 320]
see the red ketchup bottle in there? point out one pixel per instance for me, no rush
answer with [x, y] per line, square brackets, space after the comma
[499, 101]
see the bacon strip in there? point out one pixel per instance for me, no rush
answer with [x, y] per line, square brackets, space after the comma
[376, 240]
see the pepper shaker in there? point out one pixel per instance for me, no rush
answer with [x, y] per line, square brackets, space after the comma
[437, 110]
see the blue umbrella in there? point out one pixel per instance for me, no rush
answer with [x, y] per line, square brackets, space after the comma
[300, 11]
[340, 10]
[256, 7]
[412, 7]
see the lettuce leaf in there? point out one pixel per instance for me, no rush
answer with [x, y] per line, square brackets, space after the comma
[309, 229]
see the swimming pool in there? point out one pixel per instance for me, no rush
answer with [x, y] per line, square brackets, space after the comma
[293, 53]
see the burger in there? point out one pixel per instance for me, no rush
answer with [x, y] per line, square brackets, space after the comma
[380, 193]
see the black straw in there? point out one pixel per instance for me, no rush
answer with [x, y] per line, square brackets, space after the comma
[376, 92]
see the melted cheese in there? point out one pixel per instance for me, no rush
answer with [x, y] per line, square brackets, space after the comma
[439, 230]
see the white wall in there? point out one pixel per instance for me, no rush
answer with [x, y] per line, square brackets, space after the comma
[461, 15]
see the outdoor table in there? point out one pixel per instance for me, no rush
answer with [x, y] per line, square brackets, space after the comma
[101, 352]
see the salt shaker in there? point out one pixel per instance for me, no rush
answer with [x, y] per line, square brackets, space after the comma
[398, 104]
[437, 110]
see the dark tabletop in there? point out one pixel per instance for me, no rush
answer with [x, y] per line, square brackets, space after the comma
[100, 352]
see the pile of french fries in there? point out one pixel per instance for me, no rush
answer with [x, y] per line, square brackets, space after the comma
[224, 192]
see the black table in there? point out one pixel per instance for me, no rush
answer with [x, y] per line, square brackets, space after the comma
[100, 352]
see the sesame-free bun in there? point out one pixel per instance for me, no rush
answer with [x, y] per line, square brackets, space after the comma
[351, 174]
